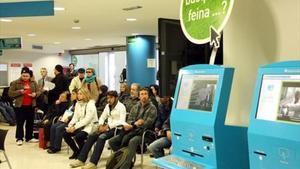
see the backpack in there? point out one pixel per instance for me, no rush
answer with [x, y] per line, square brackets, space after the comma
[117, 159]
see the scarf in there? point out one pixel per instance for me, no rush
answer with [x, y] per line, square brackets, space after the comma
[90, 79]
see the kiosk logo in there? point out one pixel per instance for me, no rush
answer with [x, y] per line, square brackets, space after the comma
[203, 20]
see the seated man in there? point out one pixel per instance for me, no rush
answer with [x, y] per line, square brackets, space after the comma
[157, 147]
[115, 115]
[163, 112]
[56, 110]
[141, 117]
[57, 129]
[130, 101]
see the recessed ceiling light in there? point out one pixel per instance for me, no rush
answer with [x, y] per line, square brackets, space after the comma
[76, 27]
[59, 8]
[56, 43]
[31, 34]
[130, 19]
[87, 39]
[5, 20]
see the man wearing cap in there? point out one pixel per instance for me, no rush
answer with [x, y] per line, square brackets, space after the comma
[77, 81]
[114, 114]
[24, 91]
[61, 84]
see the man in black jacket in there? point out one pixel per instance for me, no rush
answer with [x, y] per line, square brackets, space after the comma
[61, 84]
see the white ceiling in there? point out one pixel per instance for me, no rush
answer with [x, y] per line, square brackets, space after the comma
[103, 21]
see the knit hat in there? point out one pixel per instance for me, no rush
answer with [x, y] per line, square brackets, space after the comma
[81, 70]
[25, 70]
[59, 68]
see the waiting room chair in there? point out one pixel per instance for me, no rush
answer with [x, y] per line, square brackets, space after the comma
[3, 134]
[143, 144]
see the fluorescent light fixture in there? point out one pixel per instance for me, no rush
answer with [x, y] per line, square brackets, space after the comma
[31, 34]
[5, 20]
[56, 43]
[132, 8]
[76, 27]
[59, 8]
[88, 39]
[130, 19]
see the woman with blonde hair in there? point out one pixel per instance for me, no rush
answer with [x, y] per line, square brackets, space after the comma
[81, 125]
[91, 83]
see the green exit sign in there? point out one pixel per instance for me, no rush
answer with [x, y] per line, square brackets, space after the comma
[10, 43]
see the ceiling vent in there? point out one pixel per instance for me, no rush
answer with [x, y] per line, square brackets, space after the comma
[132, 8]
[39, 47]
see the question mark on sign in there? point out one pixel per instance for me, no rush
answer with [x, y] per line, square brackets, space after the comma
[224, 4]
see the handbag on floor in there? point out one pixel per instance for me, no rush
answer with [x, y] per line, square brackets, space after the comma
[42, 141]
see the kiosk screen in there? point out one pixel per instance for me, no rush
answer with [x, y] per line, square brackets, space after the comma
[197, 92]
[280, 98]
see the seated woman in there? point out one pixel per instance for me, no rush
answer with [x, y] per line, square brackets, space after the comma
[124, 91]
[81, 125]
[57, 130]
[56, 110]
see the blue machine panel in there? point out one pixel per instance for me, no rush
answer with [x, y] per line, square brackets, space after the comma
[274, 139]
[200, 138]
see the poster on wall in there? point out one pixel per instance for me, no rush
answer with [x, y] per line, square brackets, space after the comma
[14, 71]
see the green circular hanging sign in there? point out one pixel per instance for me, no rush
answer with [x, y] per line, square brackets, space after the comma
[203, 20]
[74, 60]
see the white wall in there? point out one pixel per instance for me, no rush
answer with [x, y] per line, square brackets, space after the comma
[38, 60]
[258, 32]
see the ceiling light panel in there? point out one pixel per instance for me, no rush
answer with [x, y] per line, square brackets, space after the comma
[5, 20]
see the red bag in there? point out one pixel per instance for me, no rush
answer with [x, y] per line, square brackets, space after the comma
[42, 141]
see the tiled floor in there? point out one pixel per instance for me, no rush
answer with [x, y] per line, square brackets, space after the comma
[30, 156]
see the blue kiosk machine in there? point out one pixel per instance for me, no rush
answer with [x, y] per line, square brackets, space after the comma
[274, 129]
[200, 138]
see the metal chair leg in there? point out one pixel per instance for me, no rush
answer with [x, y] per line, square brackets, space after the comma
[7, 160]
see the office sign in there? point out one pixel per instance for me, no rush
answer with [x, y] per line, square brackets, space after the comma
[203, 20]
[27, 8]
[10, 43]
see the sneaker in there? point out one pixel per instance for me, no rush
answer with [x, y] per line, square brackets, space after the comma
[19, 142]
[33, 140]
[76, 163]
[89, 166]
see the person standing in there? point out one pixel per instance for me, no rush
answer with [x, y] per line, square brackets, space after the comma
[71, 73]
[77, 81]
[92, 83]
[24, 91]
[61, 84]
[42, 100]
